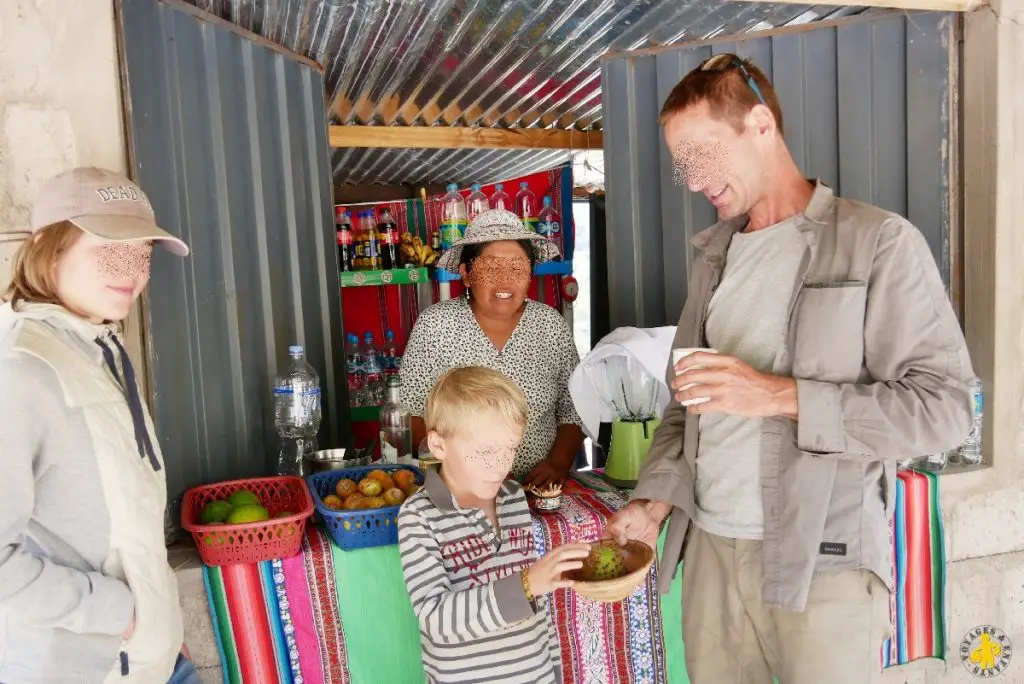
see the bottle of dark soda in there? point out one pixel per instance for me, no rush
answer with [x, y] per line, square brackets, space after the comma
[387, 229]
[358, 244]
[346, 248]
[371, 258]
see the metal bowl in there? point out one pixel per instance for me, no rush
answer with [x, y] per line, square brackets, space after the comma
[335, 459]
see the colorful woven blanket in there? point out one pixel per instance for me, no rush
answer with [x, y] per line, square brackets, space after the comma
[276, 621]
[918, 606]
[328, 616]
[601, 643]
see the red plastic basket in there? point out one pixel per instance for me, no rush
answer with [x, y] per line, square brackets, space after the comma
[251, 542]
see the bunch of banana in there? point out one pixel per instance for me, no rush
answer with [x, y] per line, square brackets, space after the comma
[415, 252]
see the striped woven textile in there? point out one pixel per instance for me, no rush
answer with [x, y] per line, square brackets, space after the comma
[918, 605]
[277, 621]
[328, 616]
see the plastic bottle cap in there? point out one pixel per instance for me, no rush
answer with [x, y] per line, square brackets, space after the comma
[475, 187]
[295, 349]
[499, 186]
[547, 201]
[523, 184]
[452, 187]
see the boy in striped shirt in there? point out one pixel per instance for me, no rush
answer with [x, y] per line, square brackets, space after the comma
[466, 540]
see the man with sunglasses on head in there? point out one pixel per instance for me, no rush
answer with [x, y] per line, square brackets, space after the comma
[831, 352]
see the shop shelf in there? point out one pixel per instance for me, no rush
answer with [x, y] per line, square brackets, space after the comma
[394, 276]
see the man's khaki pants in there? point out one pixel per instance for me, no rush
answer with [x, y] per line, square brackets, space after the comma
[731, 637]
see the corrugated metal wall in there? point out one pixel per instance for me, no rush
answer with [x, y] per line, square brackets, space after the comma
[866, 107]
[228, 137]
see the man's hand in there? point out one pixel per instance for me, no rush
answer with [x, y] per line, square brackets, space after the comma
[640, 520]
[731, 386]
[547, 471]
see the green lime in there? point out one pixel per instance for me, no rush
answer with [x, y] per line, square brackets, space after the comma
[243, 497]
[215, 512]
[248, 514]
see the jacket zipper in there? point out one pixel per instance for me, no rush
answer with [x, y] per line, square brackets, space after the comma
[123, 655]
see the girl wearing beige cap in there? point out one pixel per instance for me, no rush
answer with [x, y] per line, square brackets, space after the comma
[86, 594]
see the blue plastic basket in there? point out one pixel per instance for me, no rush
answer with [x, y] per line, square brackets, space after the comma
[363, 528]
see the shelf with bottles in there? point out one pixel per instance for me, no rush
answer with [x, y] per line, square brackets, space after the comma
[458, 212]
[548, 268]
[374, 250]
[370, 365]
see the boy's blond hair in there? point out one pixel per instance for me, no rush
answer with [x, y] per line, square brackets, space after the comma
[460, 396]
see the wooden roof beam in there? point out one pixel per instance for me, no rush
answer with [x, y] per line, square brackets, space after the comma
[935, 5]
[453, 137]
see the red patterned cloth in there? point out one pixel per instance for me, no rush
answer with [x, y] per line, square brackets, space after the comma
[602, 643]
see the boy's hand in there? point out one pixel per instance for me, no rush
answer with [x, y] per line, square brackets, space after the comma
[545, 575]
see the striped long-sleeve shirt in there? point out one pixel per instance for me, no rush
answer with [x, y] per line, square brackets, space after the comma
[465, 584]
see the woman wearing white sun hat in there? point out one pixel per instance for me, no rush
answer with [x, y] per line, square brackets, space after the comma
[86, 594]
[497, 326]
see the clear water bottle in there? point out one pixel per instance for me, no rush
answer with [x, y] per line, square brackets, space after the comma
[549, 223]
[969, 452]
[374, 371]
[395, 426]
[453, 217]
[356, 371]
[476, 203]
[391, 357]
[526, 206]
[296, 414]
[500, 198]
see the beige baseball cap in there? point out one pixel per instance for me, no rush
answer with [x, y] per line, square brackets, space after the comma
[102, 203]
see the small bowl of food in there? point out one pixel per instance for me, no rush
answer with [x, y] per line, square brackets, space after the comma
[547, 498]
[611, 572]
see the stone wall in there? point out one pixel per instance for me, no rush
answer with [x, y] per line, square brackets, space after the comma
[60, 102]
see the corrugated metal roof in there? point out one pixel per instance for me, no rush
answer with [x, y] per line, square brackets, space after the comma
[529, 63]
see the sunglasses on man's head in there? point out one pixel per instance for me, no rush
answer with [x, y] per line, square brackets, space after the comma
[726, 61]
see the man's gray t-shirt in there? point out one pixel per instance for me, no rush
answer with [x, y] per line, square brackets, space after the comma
[747, 319]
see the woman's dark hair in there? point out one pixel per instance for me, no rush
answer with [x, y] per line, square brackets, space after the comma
[472, 251]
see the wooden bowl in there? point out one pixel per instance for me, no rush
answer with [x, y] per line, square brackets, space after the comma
[636, 557]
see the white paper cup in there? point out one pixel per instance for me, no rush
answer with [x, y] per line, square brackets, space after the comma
[677, 356]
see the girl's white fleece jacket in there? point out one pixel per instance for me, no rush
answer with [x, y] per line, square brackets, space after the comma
[82, 499]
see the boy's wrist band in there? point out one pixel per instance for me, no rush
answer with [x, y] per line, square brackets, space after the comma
[525, 575]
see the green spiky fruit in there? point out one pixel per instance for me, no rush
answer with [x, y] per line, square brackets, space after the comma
[604, 563]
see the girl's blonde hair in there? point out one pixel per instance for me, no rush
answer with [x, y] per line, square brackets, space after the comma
[462, 396]
[34, 276]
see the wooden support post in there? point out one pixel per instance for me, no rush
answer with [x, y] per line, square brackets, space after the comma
[993, 174]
